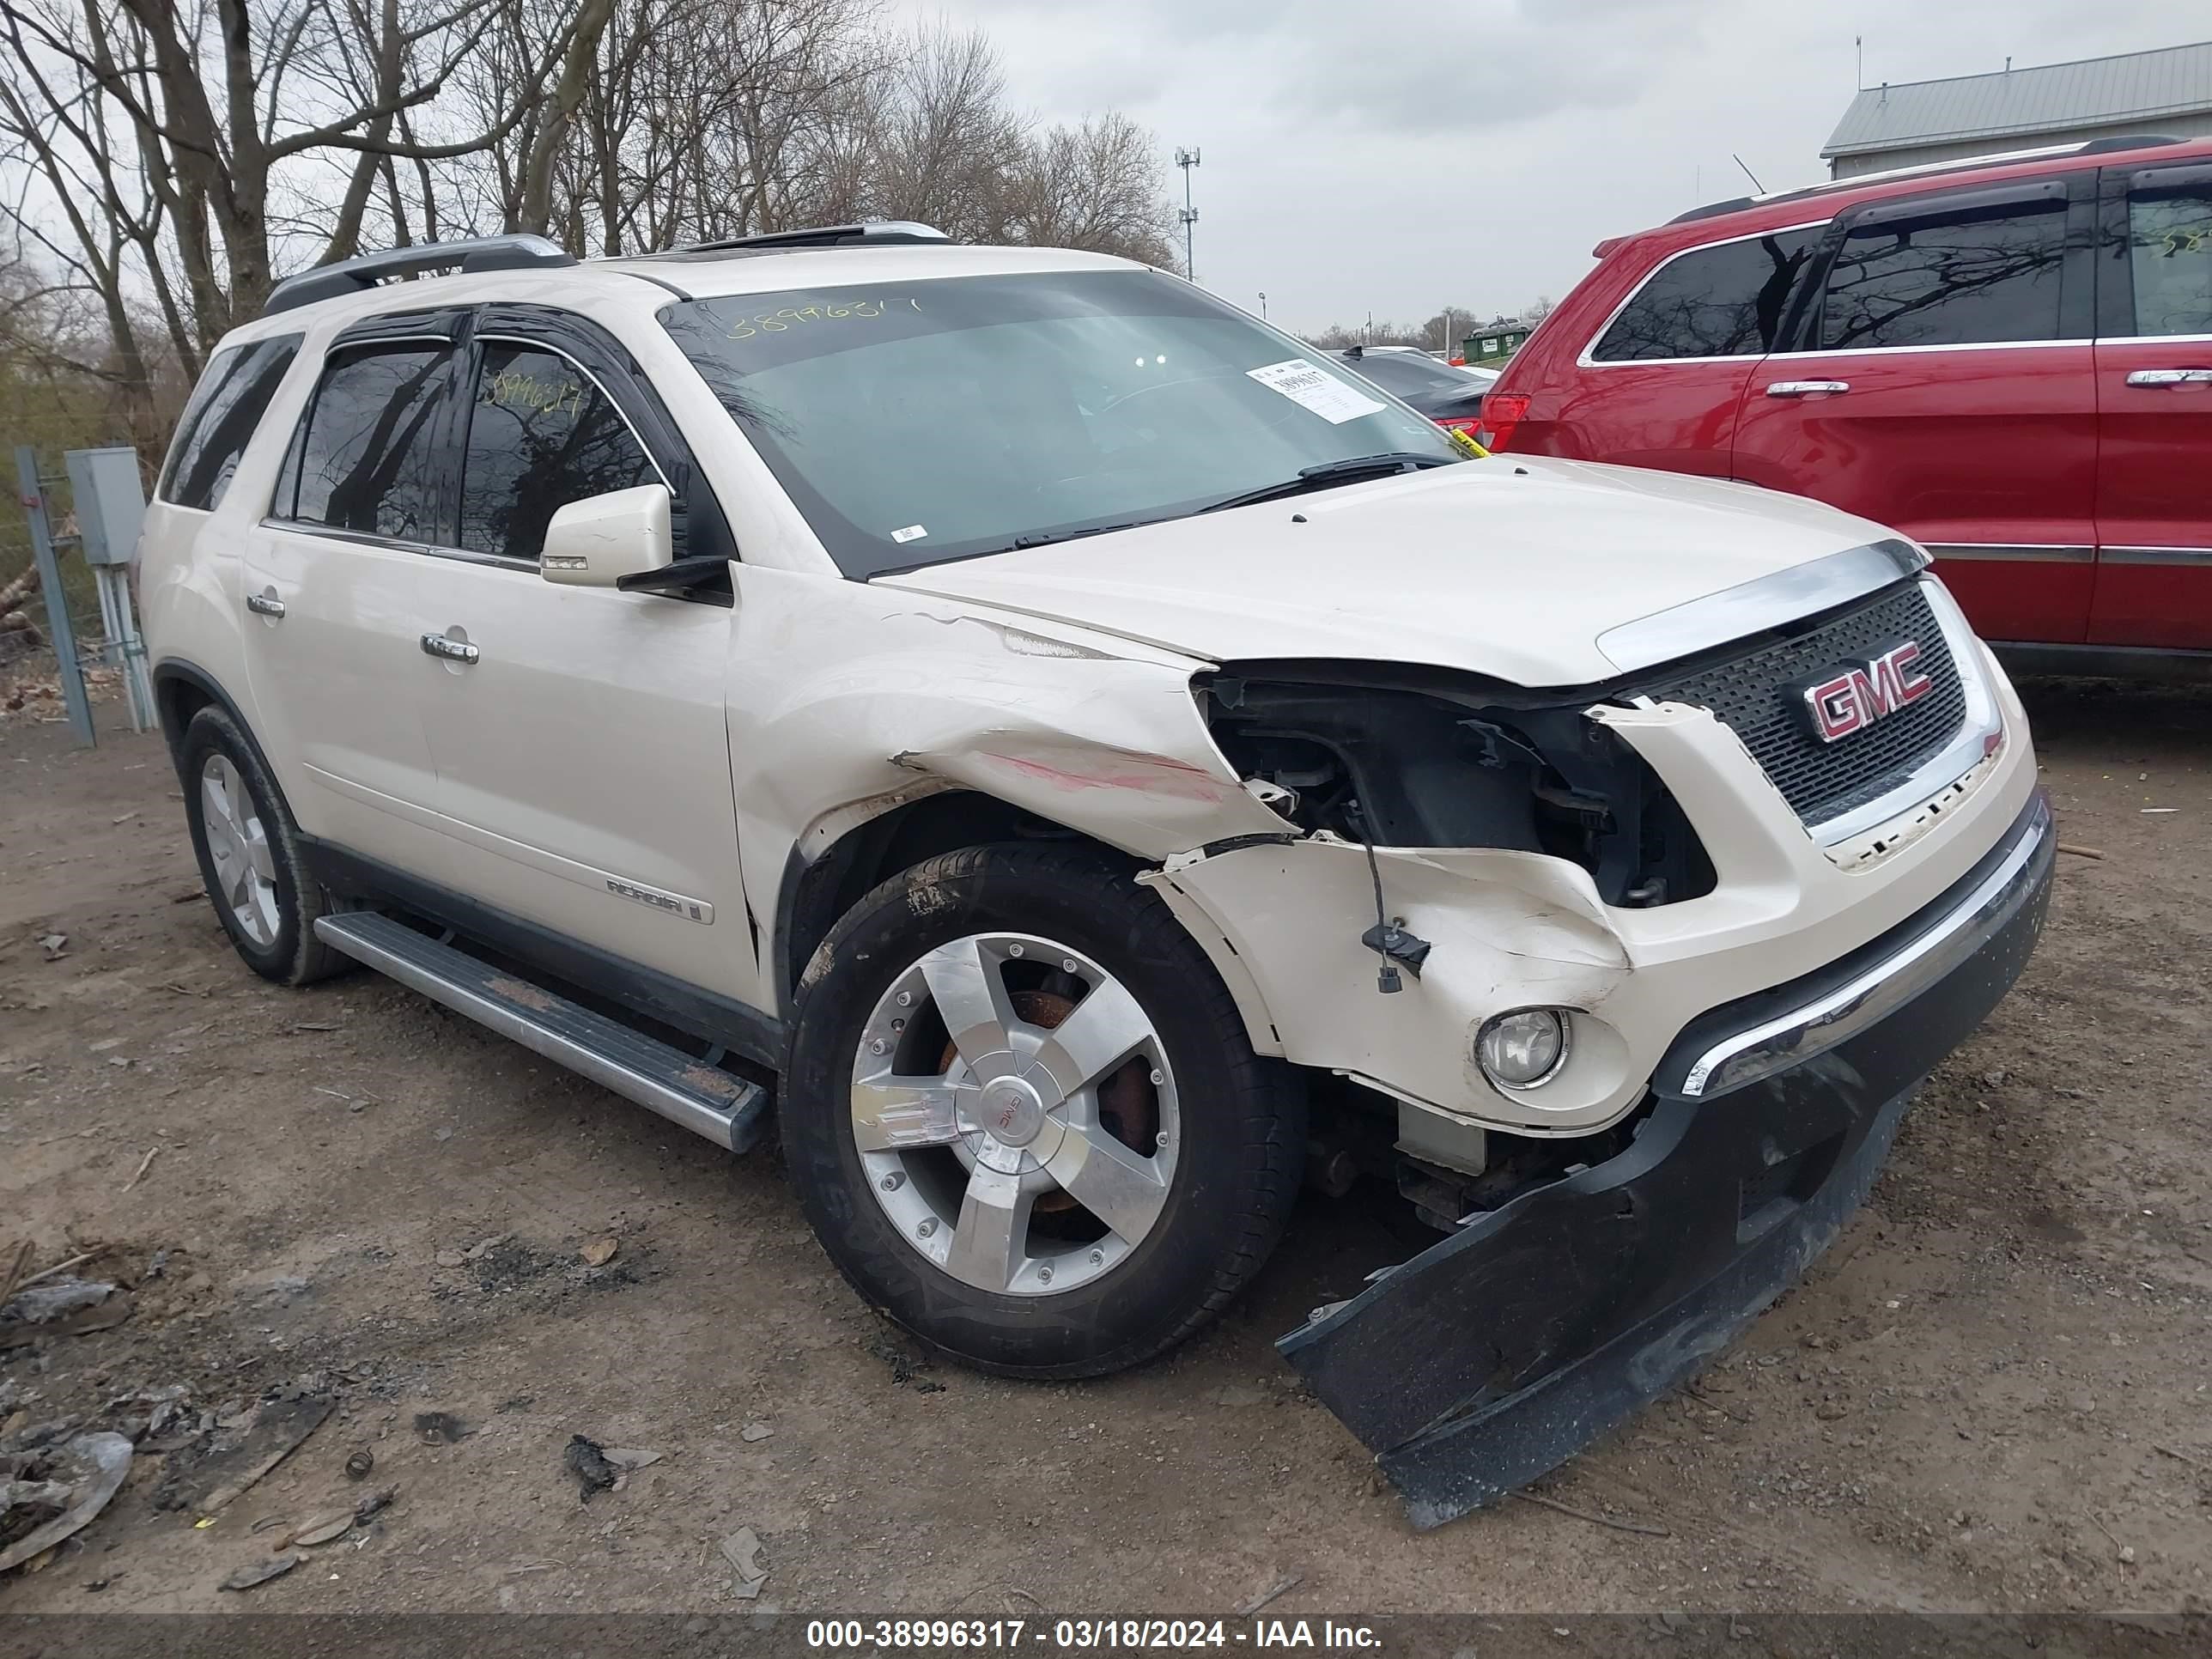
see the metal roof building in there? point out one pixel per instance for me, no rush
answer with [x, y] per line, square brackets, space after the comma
[2166, 92]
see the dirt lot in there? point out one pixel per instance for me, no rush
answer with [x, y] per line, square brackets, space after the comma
[1992, 1394]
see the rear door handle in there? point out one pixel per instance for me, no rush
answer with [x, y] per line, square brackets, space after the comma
[437, 645]
[2171, 377]
[1806, 388]
[265, 604]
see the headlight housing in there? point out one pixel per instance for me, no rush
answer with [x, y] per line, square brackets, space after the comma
[1402, 756]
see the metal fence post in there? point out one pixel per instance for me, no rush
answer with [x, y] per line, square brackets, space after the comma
[50, 579]
[109, 504]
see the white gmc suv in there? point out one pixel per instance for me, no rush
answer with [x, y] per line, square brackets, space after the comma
[1079, 763]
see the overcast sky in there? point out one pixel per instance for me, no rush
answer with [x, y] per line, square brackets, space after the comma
[1383, 155]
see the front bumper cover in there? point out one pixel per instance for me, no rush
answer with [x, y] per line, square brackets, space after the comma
[1493, 1357]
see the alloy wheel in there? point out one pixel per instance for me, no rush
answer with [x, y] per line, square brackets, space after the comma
[1015, 1111]
[238, 847]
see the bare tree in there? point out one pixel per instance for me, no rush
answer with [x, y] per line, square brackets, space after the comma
[221, 99]
[162, 161]
[703, 119]
[66, 143]
[554, 124]
[942, 143]
[692, 119]
[1095, 186]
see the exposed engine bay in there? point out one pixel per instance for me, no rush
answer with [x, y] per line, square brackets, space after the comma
[1395, 758]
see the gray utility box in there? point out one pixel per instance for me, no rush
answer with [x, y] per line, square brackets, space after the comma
[111, 505]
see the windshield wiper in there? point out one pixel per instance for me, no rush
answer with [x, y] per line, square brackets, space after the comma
[1046, 537]
[1036, 538]
[1329, 474]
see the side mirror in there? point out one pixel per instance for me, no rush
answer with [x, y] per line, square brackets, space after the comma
[596, 542]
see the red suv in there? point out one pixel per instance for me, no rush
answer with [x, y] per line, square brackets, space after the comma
[2009, 360]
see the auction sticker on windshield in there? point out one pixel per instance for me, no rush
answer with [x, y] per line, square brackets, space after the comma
[1316, 389]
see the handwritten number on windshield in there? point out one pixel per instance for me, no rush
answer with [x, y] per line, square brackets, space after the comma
[782, 321]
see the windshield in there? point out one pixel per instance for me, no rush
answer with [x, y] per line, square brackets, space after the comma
[918, 422]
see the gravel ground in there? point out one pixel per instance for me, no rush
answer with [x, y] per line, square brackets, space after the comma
[1991, 1394]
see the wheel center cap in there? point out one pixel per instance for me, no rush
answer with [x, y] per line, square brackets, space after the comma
[1012, 1114]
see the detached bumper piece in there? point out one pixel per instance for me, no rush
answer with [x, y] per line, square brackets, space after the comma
[1491, 1359]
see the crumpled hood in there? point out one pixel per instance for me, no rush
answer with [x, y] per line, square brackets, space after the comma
[1511, 567]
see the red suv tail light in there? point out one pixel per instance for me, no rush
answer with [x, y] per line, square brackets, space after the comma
[1470, 424]
[1501, 414]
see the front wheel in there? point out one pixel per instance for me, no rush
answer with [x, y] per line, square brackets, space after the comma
[1022, 1117]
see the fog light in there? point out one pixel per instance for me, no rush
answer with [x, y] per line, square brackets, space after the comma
[1522, 1049]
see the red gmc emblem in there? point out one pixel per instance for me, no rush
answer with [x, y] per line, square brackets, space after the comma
[1854, 697]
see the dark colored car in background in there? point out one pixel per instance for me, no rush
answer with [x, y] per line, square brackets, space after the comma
[1450, 396]
[2009, 359]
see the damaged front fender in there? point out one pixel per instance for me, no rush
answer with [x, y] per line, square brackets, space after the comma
[1140, 800]
[1097, 734]
[1075, 730]
[1507, 929]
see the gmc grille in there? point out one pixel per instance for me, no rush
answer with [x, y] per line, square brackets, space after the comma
[1756, 696]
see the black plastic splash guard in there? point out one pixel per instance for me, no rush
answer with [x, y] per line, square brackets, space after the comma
[1493, 1357]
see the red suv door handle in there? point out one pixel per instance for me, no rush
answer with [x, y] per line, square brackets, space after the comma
[2171, 377]
[1808, 388]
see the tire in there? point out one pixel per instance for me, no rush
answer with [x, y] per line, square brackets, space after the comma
[249, 854]
[1215, 1134]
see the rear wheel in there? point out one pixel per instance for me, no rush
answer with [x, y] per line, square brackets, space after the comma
[1023, 1117]
[249, 854]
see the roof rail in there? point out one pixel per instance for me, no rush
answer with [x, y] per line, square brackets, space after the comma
[1714, 209]
[877, 233]
[1929, 170]
[2146, 141]
[365, 271]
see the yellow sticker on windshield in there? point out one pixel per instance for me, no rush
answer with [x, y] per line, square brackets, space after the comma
[1465, 440]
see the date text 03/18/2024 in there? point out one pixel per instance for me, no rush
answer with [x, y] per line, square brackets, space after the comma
[1083, 1635]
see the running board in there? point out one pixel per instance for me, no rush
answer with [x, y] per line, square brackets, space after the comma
[695, 1093]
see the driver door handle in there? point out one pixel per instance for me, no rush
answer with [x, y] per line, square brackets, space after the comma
[265, 604]
[1808, 388]
[2171, 377]
[437, 645]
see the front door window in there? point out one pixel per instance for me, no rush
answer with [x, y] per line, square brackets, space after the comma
[541, 435]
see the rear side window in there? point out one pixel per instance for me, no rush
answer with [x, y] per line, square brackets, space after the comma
[2170, 256]
[1722, 301]
[1979, 277]
[364, 458]
[541, 435]
[227, 406]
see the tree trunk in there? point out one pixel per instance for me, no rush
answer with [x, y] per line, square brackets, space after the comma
[568, 95]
